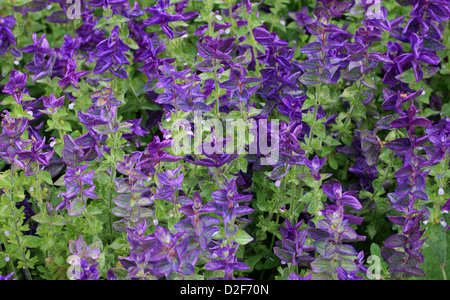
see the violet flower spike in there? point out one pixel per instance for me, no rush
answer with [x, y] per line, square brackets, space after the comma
[315, 165]
[6, 35]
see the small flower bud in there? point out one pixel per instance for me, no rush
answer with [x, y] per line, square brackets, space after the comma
[49, 207]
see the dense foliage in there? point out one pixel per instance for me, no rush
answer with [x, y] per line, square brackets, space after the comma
[224, 139]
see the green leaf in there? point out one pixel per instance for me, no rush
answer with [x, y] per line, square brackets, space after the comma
[332, 162]
[375, 250]
[31, 241]
[26, 97]
[321, 265]
[365, 194]
[47, 177]
[94, 210]
[60, 181]
[21, 2]
[434, 252]
[242, 238]
[369, 82]
[76, 207]
[41, 218]
[59, 221]
[309, 78]
[319, 130]
[407, 76]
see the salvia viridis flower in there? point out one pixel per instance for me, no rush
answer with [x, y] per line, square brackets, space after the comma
[111, 55]
[226, 202]
[16, 85]
[227, 261]
[84, 259]
[6, 35]
[201, 228]
[8, 277]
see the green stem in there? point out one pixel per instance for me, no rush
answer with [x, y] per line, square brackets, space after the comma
[443, 272]
[216, 89]
[291, 207]
[11, 264]
[38, 191]
[352, 107]
[14, 218]
[316, 108]
[112, 178]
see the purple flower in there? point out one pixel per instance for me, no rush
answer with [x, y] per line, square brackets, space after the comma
[158, 254]
[16, 85]
[89, 37]
[200, 228]
[86, 271]
[292, 106]
[10, 139]
[104, 98]
[302, 18]
[105, 3]
[52, 103]
[192, 98]
[292, 248]
[72, 76]
[136, 131]
[345, 275]
[154, 154]
[170, 252]
[411, 120]
[39, 48]
[236, 85]
[248, 6]
[214, 49]
[169, 184]
[335, 8]
[80, 250]
[412, 60]
[405, 264]
[162, 18]
[83, 260]
[6, 36]
[335, 193]
[314, 165]
[35, 157]
[294, 276]
[226, 201]
[111, 55]
[79, 188]
[72, 153]
[367, 173]
[228, 262]
[8, 277]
